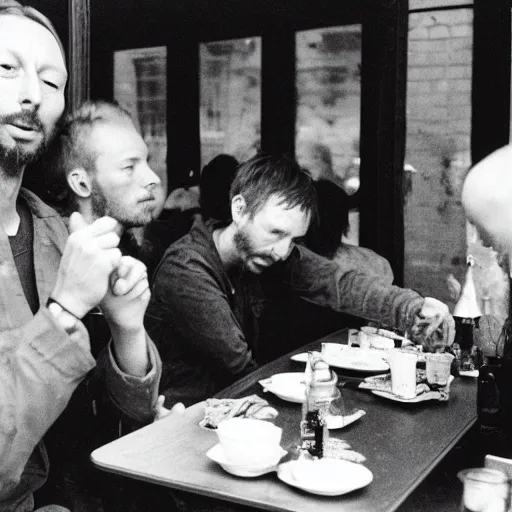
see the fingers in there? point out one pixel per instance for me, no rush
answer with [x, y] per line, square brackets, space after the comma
[129, 274]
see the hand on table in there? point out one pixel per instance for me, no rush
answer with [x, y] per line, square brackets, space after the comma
[434, 327]
[90, 256]
[163, 412]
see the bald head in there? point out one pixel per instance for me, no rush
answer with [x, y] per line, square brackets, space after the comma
[487, 198]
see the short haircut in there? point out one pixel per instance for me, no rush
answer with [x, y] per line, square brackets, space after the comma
[214, 184]
[71, 148]
[267, 175]
[11, 7]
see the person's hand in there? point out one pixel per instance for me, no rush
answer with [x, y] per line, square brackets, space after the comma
[434, 327]
[163, 412]
[90, 256]
[128, 295]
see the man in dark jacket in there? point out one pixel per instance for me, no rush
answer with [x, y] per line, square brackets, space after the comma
[208, 290]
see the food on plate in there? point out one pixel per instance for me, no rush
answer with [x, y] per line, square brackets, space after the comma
[220, 409]
[383, 382]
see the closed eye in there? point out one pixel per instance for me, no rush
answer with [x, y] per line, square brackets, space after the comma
[51, 84]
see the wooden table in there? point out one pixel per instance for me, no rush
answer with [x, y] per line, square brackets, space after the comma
[401, 442]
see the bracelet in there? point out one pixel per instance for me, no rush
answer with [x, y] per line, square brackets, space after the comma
[51, 300]
[68, 322]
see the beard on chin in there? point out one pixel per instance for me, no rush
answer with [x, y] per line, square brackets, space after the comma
[13, 159]
[102, 206]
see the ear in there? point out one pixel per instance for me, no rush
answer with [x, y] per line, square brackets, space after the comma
[80, 182]
[238, 208]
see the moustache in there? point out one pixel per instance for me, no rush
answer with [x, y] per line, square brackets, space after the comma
[26, 119]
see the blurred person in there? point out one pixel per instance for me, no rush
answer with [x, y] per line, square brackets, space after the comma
[49, 282]
[214, 184]
[325, 235]
[207, 298]
[487, 199]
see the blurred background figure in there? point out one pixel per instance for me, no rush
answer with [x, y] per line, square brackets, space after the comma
[325, 235]
[214, 186]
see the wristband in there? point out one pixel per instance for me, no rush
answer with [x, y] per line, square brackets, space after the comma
[68, 322]
[51, 300]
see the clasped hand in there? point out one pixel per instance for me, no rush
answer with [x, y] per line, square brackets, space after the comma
[93, 272]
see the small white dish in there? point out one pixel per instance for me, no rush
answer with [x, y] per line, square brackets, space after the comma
[348, 477]
[216, 453]
[287, 386]
[352, 358]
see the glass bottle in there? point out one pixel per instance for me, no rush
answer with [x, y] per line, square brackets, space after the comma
[466, 315]
[320, 390]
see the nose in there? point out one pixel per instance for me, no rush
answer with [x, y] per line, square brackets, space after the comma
[150, 178]
[283, 248]
[30, 91]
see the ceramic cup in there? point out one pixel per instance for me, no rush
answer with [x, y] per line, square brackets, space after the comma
[403, 374]
[438, 366]
[249, 442]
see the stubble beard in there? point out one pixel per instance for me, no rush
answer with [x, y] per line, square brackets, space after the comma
[101, 206]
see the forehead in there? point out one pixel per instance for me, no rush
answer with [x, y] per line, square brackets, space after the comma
[31, 41]
[117, 139]
[276, 214]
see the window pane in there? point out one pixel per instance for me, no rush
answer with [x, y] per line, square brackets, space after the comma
[437, 236]
[230, 98]
[328, 107]
[140, 86]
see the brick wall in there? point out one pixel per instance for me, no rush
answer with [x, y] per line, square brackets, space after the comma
[438, 147]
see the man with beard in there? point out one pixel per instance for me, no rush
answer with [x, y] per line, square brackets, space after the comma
[208, 289]
[49, 282]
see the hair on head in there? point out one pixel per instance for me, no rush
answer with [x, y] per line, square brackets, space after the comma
[267, 175]
[71, 149]
[14, 8]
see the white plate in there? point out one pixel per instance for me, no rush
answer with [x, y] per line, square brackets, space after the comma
[216, 453]
[349, 477]
[352, 358]
[287, 386]
[423, 397]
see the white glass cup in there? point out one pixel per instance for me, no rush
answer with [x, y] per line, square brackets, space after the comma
[438, 367]
[403, 373]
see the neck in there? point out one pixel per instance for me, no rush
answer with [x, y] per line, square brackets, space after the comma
[9, 190]
[224, 239]
[85, 209]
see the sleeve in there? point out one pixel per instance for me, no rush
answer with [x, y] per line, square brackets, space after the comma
[187, 295]
[326, 283]
[134, 397]
[40, 367]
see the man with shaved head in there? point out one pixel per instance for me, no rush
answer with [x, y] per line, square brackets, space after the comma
[487, 198]
[49, 282]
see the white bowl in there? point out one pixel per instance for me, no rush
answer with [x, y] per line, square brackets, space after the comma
[249, 442]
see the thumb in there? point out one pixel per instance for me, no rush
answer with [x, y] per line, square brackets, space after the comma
[76, 222]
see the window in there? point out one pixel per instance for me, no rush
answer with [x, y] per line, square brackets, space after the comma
[328, 107]
[230, 98]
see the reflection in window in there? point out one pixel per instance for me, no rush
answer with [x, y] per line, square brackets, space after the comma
[437, 236]
[328, 107]
[230, 98]
[140, 86]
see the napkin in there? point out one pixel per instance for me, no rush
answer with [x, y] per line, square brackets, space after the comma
[220, 409]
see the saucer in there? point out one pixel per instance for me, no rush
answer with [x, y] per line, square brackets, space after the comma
[349, 477]
[336, 422]
[287, 386]
[216, 453]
